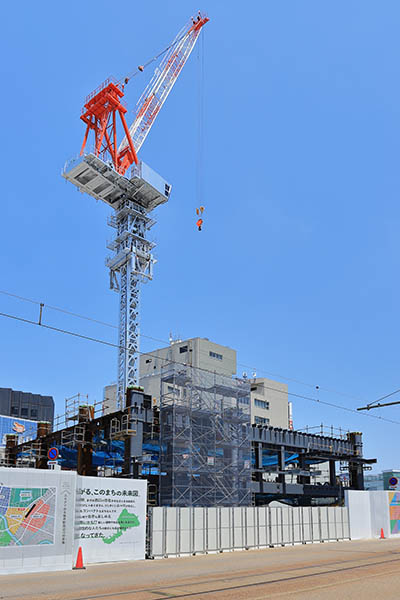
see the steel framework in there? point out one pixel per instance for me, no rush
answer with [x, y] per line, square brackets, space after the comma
[205, 439]
[134, 262]
[162, 82]
[100, 115]
[102, 173]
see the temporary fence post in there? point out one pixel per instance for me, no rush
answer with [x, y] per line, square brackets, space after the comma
[164, 532]
[319, 524]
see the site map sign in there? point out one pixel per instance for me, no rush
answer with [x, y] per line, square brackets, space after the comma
[37, 512]
[27, 516]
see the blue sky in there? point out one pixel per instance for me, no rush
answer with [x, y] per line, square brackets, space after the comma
[297, 264]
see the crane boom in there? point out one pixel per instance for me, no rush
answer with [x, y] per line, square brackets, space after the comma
[160, 85]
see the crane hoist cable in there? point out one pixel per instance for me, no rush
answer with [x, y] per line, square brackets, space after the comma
[200, 131]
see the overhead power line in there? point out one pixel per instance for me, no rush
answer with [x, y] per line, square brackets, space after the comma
[167, 343]
[151, 354]
[377, 403]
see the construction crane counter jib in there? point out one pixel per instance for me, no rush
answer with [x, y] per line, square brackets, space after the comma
[103, 106]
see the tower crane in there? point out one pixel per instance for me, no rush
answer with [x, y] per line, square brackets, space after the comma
[114, 174]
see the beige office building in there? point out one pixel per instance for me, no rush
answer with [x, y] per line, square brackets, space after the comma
[268, 400]
[269, 403]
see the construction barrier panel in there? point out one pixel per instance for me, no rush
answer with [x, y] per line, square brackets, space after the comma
[371, 511]
[183, 531]
[110, 518]
[37, 510]
[47, 515]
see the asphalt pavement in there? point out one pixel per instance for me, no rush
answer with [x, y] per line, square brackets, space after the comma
[367, 569]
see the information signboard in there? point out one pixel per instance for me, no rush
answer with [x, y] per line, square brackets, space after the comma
[110, 519]
[23, 428]
[37, 510]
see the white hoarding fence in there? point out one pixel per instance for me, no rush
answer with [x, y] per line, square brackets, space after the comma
[180, 531]
[371, 511]
[110, 520]
[46, 515]
[37, 510]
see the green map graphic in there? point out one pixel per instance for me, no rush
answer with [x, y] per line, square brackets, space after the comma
[126, 520]
[27, 516]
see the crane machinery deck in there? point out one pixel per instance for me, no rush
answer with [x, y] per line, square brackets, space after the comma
[115, 175]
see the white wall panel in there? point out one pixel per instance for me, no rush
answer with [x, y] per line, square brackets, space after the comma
[226, 528]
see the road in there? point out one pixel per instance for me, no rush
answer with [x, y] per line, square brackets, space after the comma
[352, 569]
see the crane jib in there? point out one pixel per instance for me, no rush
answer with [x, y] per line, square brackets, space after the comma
[104, 104]
[161, 84]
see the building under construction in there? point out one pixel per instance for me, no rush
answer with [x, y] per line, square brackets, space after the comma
[204, 439]
[198, 448]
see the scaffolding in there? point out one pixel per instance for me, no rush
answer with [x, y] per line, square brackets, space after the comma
[205, 442]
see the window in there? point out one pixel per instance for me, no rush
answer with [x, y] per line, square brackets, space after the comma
[24, 411]
[34, 413]
[183, 349]
[261, 404]
[14, 411]
[261, 421]
[244, 400]
[215, 355]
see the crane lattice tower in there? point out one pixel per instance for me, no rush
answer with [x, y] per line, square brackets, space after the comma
[115, 175]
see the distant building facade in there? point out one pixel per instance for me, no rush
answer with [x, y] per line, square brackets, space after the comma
[25, 405]
[373, 482]
[269, 403]
[269, 399]
[387, 480]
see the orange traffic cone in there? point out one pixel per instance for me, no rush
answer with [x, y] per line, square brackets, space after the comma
[79, 560]
[382, 534]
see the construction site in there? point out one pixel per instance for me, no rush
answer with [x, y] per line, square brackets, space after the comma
[197, 445]
[199, 392]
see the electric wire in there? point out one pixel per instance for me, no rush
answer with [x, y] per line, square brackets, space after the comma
[371, 405]
[113, 345]
[332, 404]
[298, 381]
[167, 343]
[58, 309]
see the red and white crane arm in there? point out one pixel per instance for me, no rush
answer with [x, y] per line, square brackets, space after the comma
[161, 84]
